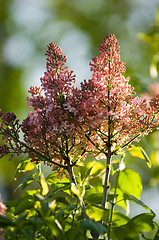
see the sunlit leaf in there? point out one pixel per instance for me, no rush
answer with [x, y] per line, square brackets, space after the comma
[119, 218]
[24, 166]
[44, 186]
[129, 182]
[96, 167]
[78, 191]
[97, 213]
[142, 222]
[139, 152]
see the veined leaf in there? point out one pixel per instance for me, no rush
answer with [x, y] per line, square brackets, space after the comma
[129, 182]
[98, 213]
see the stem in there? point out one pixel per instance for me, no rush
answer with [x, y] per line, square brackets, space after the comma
[109, 154]
[107, 176]
[113, 205]
[81, 202]
[43, 157]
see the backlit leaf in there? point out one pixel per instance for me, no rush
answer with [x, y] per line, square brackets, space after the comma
[129, 182]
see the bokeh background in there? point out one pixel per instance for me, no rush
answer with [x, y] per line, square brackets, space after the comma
[78, 26]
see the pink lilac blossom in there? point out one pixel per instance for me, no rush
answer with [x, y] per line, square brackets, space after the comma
[50, 126]
[3, 208]
[113, 115]
[65, 122]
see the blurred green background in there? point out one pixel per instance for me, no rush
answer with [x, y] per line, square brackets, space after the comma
[78, 26]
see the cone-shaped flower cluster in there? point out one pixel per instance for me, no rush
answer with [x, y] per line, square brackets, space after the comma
[114, 117]
[64, 122]
[50, 128]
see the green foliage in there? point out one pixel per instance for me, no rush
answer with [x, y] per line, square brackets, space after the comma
[54, 209]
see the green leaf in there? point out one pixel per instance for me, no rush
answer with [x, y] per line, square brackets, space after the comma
[96, 167]
[119, 218]
[137, 201]
[24, 203]
[26, 181]
[42, 205]
[148, 161]
[78, 191]
[55, 227]
[142, 222]
[95, 227]
[87, 174]
[44, 186]
[24, 166]
[129, 182]
[62, 196]
[75, 233]
[5, 222]
[94, 197]
[98, 213]
[139, 152]
[123, 233]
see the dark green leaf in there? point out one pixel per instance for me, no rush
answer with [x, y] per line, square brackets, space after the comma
[74, 234]
[24, 203]
[95, 227]
[5, 222]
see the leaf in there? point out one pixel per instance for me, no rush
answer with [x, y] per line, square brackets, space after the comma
[134, 227]
[119, 218]
[129, 182]
[24, 166]
[98, 213]
[62, 196]
[94, 197]
[42, 205]
[44, 186]
[139, 152]
[148, 161]
[55, 227]
[141, 222]
[87, 174]
[95, 227]
[5, 222]
[137, 201]
[26, 181]
[123, 233]
[78, 191]
[74, 234]
[96, 167]
[24, 203]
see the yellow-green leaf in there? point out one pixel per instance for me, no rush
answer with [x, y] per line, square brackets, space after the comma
[44, 185]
